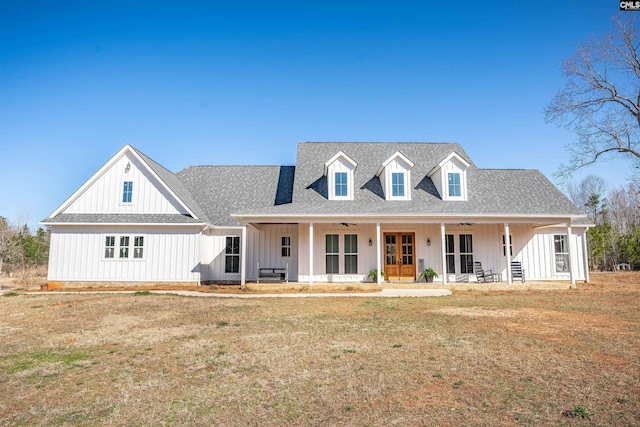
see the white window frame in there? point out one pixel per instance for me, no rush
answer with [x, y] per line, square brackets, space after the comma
[456, 185]
[351, 253]
[110, 246]
[561, 257]
[126, 192]
[234, 254]
[400, 186]
[285, 246]
[340, 163]
[138, 247]
[334, 255]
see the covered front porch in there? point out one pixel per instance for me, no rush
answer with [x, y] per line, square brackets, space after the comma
[347, 250]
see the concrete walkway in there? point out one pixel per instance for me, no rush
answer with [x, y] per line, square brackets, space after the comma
[385, 293]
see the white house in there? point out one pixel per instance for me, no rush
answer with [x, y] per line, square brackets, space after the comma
[343, 210]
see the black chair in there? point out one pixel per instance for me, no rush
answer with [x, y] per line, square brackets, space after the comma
[517, 272]
[483, 276]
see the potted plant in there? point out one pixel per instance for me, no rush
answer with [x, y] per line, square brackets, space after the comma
[428, 275]
[374, 275]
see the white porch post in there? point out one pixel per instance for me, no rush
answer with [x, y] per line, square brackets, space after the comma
[310, 253]
[378, 255]
[585, 256]
[507, 251]
[443, 247]
[243, 257]
[570, 249]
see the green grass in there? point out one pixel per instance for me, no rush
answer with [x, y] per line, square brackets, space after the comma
[27, 360]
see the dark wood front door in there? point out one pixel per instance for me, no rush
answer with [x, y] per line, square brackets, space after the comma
[399, 256]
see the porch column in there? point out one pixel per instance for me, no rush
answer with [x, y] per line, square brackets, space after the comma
[243, 257]
[585, 256]
[378, 255]
[570, 249]
[443, 247]
[310, 253]
[507, 251]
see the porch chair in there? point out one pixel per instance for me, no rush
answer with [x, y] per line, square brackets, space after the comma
[517, 272]
[483, 276]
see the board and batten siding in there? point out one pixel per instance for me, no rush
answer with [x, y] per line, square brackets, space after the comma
[538, 255]
[263, 246]
[105, 194]
[169, 254]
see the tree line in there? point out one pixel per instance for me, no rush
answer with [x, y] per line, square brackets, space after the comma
[21, 251]
[615, 237]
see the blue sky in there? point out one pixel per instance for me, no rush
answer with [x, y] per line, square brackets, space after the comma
[243, 82]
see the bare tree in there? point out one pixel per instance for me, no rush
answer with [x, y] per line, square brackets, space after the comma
[624, 205]
[588, 195]
[601, 98]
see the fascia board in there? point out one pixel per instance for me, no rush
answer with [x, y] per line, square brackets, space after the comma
[106, 167]
[336, 157]
[91, 180]
[445, 160]
[164, 184]
[397, 154]
[373, 218]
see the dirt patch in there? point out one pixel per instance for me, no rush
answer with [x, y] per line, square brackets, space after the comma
[475, 358]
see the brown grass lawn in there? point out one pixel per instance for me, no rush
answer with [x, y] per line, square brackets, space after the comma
[475, 358]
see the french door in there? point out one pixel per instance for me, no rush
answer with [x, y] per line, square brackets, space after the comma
[399, 256]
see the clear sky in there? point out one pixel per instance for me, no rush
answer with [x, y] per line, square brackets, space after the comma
[238, 82]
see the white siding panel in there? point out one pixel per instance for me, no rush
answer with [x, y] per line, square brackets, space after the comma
[269, 250]
[168, 255]
[105, 195]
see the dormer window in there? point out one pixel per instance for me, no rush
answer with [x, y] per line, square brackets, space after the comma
[339, 171]
[450, 177]
[397, 184]
[342, 188]
[395, 175]
[455, 189]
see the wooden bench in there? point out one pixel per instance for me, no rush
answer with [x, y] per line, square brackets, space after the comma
[272, 274]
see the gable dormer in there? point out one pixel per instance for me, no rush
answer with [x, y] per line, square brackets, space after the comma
[339, 172]
[450, 177]
[395, 177]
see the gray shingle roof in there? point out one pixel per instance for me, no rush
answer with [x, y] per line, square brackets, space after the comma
[223, 190]
[216, 193]
[369, 156]
[500, 192]
[174, 184]
[121, 219]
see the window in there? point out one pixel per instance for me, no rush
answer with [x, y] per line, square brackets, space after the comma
[397, 184]
[504, 247]
[127, 191]
[232, 255]
[110, 246]
[331, 251]
[342, 190]
[450, 253]
[286, 246]
[561, 250]
[466, 253]
[351, 254]
[455, 190]
[407, 249]
[138, 246]
[124, 247]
